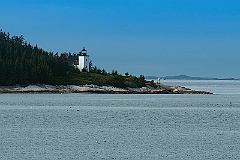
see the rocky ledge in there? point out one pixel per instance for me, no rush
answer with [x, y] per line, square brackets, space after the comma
[161, 89]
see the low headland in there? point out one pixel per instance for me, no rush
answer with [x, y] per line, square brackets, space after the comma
[29, 69]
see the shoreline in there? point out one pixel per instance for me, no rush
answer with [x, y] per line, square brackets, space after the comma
[94, 89]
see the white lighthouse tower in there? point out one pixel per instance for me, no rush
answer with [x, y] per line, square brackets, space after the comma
[83, 60]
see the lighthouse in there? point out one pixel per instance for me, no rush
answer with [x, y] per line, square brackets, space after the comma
[83, 60]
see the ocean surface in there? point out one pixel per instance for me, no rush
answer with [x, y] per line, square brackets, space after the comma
[108, 126]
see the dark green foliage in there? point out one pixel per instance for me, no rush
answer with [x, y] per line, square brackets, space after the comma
[104, 79]
[23, 64]
[20, 63]
[134, 81]
[152, 84]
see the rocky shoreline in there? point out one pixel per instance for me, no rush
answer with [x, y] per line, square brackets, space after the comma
[41, 88]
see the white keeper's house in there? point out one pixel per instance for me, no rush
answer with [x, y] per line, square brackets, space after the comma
[83, 60]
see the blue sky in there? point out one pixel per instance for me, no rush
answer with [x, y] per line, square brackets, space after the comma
[150, 37]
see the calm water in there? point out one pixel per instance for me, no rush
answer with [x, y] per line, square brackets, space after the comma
[101, 126]
[215, 86]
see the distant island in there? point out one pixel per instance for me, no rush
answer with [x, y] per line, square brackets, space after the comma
[186, 77]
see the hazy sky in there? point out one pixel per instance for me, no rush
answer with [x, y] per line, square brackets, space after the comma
[150, 37]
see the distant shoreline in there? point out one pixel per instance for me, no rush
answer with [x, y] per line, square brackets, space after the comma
[94, 89]
[186, 77]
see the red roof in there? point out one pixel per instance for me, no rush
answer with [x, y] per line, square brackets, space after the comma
[76, 63]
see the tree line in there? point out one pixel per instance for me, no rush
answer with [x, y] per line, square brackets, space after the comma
[24, 64]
